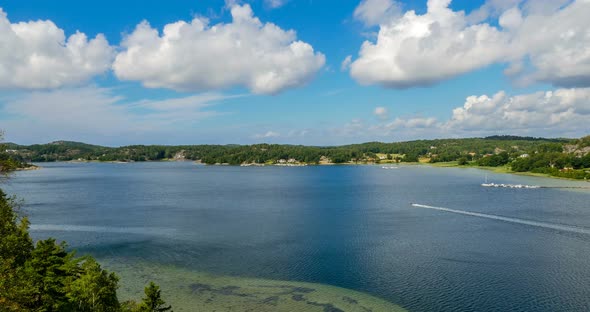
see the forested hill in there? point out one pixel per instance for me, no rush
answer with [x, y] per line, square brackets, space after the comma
[519, 153]
[411, 151]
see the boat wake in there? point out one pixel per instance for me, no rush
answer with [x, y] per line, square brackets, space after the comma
[516, 186]
[552, 226]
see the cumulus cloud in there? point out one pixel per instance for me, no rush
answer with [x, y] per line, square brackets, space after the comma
[37, 55]
[419, 50]
[381, 112]
[542, 41]
[196, 56]
[556, 45]
[560, 111]
[375, 12]
[492, 8]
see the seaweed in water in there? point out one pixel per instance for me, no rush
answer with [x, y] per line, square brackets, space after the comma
[328, 307]
[298, 297]
[198, 287]
[274, 300]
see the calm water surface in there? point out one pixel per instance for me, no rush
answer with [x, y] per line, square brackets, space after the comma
[347, 226]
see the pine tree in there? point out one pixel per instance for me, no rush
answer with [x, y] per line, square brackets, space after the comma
[152, 302]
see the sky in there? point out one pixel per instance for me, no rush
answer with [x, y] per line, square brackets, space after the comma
[313, 72]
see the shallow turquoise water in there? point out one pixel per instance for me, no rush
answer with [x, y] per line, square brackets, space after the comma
[347, 226]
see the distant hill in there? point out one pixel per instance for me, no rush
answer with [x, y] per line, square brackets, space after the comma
[519, 138]
[440, 150]
[560, 157]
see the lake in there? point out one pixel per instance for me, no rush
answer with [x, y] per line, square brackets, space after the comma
[325, 238]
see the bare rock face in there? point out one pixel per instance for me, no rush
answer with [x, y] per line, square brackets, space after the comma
[570, 148]
[576, 149]
[179, 156]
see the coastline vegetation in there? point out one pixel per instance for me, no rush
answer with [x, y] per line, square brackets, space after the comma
[567, 158]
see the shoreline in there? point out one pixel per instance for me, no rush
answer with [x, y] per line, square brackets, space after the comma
[501, 170]
[29, 168]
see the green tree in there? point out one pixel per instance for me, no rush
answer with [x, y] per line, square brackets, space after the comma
[93, 289]
[462, 161]
[152, 302]
[15, 248]
[48, 269]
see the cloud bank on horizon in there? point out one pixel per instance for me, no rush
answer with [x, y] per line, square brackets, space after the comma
[53, 81]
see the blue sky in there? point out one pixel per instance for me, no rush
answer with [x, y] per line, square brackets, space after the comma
[124, 90]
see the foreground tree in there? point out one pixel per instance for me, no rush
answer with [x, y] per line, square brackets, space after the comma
[94, 289]
[15, 248]
[152, 302]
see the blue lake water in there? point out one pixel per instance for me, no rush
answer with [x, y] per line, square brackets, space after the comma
[346, 226]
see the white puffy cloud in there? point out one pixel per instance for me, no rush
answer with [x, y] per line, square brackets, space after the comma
[381, 112]
[542, 41]
[492, 8]
[419, 50]
[511, 19]
[196, 56]
[37, 55]
[555, 45]
[561, 111]
[374, 12]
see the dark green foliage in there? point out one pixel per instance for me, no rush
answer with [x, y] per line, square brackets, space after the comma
[47, 270]
[494, 160]
[15, 248]
[556, 164]
[93, 289]
[462, 161]
[550, 147]
[547, 155]
[152, 302]
[46, 277]
[9, 162]
[519, 138]
[584, 142]
[437, 150]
